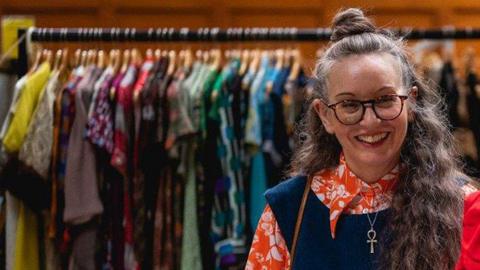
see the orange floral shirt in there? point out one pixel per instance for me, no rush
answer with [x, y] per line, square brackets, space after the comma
[337, 188]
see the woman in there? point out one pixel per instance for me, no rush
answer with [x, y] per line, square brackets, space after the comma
[375, 183]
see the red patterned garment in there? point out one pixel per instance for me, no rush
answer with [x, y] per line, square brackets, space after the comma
[337, 188]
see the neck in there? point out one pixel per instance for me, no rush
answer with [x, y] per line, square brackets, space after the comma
[370, 173]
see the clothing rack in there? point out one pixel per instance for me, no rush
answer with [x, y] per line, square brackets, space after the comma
[210, 35]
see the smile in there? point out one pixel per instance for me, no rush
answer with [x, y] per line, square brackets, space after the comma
[373, 138]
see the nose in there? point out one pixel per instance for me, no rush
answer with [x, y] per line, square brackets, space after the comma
[369, 117]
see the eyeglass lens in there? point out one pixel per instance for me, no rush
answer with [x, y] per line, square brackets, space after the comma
[352, 111]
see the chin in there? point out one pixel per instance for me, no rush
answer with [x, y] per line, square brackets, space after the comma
[377, 159]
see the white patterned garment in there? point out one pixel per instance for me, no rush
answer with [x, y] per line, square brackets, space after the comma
[37, 147]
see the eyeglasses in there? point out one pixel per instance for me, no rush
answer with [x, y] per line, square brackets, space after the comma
[351, 112]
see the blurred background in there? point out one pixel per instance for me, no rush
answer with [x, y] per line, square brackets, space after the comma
[156, 155]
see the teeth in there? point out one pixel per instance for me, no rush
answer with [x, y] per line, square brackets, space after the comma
[374, 138]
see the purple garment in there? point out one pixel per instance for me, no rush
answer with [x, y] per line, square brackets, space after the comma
[100, 124]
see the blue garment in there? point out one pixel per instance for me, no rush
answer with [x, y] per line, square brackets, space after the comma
[281, 79]
[258, 185]
[258, 176]
[315, 247]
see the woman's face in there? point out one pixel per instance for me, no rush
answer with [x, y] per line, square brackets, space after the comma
[372, 141]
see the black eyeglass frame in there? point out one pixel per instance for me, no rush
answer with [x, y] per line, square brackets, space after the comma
[372, 104]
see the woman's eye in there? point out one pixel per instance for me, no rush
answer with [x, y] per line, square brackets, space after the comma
[386, 100]
[349, 105]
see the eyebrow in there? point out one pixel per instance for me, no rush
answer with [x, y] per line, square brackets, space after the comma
[379, 90]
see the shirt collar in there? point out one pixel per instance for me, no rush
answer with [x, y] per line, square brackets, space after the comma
[340, 190]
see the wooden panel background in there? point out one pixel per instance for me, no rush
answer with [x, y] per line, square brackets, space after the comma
[244, 13]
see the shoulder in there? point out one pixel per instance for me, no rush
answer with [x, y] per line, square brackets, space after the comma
[467, 184]
[472, 204]
[293, 186]
[284, 200]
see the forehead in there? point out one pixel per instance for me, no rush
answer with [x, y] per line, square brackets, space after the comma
[363, 75]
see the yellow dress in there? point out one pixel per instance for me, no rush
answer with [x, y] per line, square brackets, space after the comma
[26, 242]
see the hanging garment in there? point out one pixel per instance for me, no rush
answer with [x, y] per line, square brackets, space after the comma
[449, 91]
[82, 202]
[100, 121]
[230, 209]
[37, 147]
[151, 162]
[26, 106]
[473, 107]
[253, 137]
[12, 203]
[7, 84]
[211, 170]
[64, 114]
[191, 255]
[19, 86]
[26, 242]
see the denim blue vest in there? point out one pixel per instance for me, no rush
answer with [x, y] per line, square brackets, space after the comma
[315, 247]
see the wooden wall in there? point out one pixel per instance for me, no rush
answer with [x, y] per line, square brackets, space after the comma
[242, 13]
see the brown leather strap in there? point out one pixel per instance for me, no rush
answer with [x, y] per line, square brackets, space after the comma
[298, 223]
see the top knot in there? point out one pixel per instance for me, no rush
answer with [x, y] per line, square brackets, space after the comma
[351, 22]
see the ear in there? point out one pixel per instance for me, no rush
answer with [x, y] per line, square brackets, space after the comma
[323, 112]
[413, 98]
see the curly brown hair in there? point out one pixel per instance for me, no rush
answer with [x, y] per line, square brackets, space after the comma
[424, 229]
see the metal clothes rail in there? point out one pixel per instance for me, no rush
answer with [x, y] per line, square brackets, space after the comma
[254, 34]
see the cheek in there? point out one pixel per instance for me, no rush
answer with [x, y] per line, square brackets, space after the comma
[401, 126]
[343, 133]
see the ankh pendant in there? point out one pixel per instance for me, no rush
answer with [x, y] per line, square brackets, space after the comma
[372, 234]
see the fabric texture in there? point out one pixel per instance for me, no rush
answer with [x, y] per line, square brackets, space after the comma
[470, 252]
[27, 104]
[81, 182]
[37, 147]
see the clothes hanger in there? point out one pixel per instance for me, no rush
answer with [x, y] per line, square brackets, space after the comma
[58, 59]
[101, 61]
[172, 55]
[48, 56]
[295, 66]
[180, 59]
[216, 58]
[83, 58]
[77, 57]
[279, 57]
[64, 61]
[110, 59]
[469, 60]
[90, 58]
[204, 57]
[125, 61]
[116, 61]
[38, 58]
[158, 54]
[187, 64]
[254, 61]
[244, 62]
[136, 57]
[149, 54]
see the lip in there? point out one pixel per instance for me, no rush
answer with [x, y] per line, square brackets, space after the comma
[373, 145]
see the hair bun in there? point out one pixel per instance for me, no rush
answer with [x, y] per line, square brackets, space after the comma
[350, 22]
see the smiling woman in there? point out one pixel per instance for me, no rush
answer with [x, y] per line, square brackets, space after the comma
[376, 183]
[371, 137]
